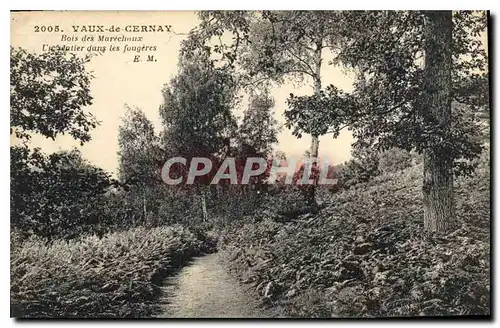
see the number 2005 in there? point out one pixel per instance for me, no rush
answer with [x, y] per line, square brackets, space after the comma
[49, 28]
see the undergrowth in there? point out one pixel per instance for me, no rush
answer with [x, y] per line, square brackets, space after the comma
[116, 276]
[365, 254]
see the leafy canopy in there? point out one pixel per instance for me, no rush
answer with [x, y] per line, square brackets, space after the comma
[48, 92]
[385, 51]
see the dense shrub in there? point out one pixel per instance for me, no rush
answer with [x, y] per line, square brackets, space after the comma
[394, 160]
[363, 167]
[235, 201]
[61, 195]
[116, 276]
[58, 195]
[283, 200]
[367, 255]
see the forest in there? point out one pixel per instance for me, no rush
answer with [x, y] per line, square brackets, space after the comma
[405, 231]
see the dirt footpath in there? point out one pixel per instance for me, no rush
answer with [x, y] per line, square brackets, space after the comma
[203, 289]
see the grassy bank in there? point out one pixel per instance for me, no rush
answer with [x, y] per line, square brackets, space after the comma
[109, 277]
[366, 254]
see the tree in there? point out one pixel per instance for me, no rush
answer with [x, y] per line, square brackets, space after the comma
[196, 114]
[290, 44]
[138, 148]
[410, 67]
[274, 46]
[257, 134]
[259, 131]
[437, 90]
[139, 153]
[56, 195]
[51, 195]
[48, 92]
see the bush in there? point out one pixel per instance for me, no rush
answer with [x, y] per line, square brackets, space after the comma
[363, 167]
[285, 199]
[394, 160]
[55, 196]
[116, 276]
[234, 202]
[354, 172]
[62, 196]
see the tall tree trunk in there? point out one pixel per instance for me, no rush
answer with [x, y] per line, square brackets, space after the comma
[317, 91]
[204, 204]
[311, 190]
[439, 212]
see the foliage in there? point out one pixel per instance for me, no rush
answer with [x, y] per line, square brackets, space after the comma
[394, 160]
[384, 49]
[319, 114]
[63, 196]
[284, 44]
[140, 164]
[48, 92]
[196, 113]
[56, 195]
[364, 255]
[139, 153]
[258, 132]
[116, 276]
[207, 37]
[269, 46]
[362, 167]
[274, 46]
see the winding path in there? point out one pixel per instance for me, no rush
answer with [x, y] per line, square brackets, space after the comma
[203, 289]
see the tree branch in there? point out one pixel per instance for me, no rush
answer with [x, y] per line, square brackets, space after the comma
[299, 71]
[308, 66]
[357, 119]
